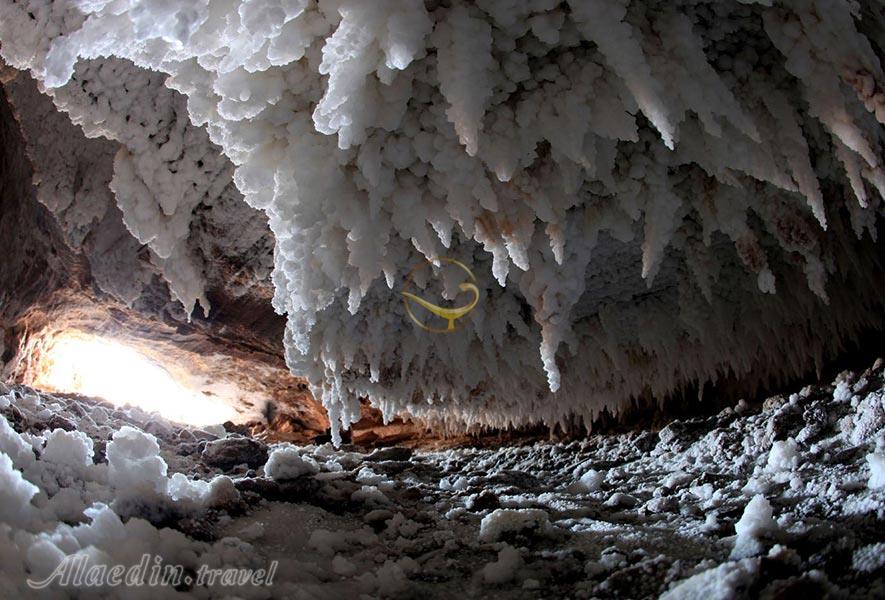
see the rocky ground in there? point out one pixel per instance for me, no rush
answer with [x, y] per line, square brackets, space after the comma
[781, 500]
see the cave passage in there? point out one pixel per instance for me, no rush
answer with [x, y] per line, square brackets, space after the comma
[400, 299]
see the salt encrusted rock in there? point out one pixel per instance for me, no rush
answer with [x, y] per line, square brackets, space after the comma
[773, 403]
[504, 522]
[816, 421]
[59, 422]
[590, 480]
[229, 452]
[619, 499]
[99, 449]
[867, 421]
[378, 517]
[676, 431]
[485, 500]
[393, 467]
[263, 487]
[518, 479]
[869, 559]
[661, 504]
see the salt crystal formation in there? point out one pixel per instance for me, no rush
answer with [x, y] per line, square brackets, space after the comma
[649, 193]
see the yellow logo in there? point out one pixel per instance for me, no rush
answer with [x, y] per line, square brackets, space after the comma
[449, 314]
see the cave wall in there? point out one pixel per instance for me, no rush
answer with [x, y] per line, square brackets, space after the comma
[72, 265]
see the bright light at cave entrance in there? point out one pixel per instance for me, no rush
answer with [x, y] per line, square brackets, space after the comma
[95, 366]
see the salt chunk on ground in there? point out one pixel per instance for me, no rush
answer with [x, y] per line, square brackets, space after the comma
[454, 484]
[877, 471]
[842, 393]
[284, 462]
[676, 479]
[591, 481]
[99, 415]
[702, 492]
[502, 521]
[70, 448]
[182, 489]
[784, 456]
[135, 466]
[757, 520]
[504, 569]
[621, 499]
[369, 477]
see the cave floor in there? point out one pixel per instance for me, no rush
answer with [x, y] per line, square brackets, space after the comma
[801, 479]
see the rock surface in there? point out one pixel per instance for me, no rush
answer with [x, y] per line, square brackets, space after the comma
[232, 451]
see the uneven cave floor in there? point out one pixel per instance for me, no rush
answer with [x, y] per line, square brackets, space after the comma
[632, 515]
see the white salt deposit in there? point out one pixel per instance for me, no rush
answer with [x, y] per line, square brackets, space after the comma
[502, 521]
[134, 464]
[71, 448]
[285, 462]
[556, 149]
[876, 462]
[784, 456]
[756, 522]
[590, 481]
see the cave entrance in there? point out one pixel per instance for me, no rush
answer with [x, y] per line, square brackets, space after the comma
[82, 363]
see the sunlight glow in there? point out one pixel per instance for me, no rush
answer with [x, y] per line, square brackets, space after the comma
[95, 366]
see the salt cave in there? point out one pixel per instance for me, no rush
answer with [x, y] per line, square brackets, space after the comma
[399, 298]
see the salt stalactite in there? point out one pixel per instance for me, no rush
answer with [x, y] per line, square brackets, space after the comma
[649, 193]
